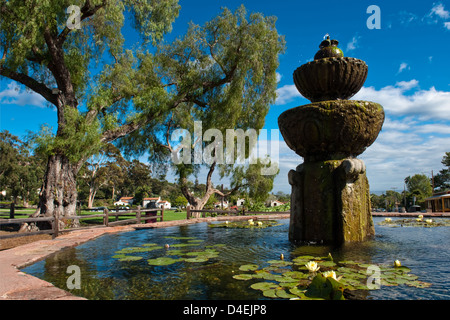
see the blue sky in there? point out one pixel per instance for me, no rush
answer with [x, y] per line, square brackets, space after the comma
[409, 68]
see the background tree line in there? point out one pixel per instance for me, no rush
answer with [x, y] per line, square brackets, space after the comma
[103, 179]
[417, 188]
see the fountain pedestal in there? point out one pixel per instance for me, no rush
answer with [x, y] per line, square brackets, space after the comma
[330, 200]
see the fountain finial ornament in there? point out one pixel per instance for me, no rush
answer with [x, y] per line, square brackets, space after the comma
[330, 191]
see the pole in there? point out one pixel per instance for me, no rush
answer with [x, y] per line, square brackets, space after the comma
[11, 210]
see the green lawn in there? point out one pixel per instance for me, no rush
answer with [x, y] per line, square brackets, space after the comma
[169, 215]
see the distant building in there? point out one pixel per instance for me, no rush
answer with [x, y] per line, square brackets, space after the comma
[439, 202]
[124, 201]
[153, 203]
[240, 202]
[275, 203]
[218, 205]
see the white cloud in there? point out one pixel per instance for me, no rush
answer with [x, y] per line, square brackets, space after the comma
[13, 94]
[353, 44]
[424, 104]
[439, 10]
[447, 25]
[279, 76]
[403, 66]
[286, 94]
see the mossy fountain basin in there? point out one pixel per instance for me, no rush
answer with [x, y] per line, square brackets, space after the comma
[201, 262]
[336, 129]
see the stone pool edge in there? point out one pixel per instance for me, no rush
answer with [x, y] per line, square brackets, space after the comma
[17, 285]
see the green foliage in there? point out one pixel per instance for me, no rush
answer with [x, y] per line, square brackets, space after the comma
[419, 186]
[292, 280]
[442, 179]
[21, 172]
[78, 139]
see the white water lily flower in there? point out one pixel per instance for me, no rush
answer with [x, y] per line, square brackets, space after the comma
[429, 221]
[250, 222]
[421, 216]
[329, 274]
[388, 219]
[397, 263]
[260, 223]
[312, 266]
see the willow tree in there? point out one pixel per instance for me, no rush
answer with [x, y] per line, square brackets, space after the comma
[73, 53]
[228, 67]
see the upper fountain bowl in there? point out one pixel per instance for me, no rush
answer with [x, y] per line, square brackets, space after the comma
[331, 78]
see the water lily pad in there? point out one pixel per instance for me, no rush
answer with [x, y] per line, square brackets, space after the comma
[271, 293]
[130, 258]
[280, 262]
[243, 276]
[248, 267]
[348, 262]
[181, 245]
[175, 252]
[419, 284]
[288, 285]
[303, 259]
[197, 259]
[180, 238]
[296, 274]
[264, 286]
[138, 249]
[162, 261]
[283, 294]
[327, 264]
[297, 291]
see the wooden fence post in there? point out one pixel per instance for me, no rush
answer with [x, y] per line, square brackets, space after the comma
[106, 217]
[11, 210]
[188, 212]
[138, 214]
[55, 226]
[162, 215]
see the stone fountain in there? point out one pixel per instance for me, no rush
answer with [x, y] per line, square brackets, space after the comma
[330, 200]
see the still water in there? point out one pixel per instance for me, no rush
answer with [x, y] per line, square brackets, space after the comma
[426, 251]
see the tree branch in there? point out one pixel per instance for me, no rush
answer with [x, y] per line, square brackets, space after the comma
[31, 83]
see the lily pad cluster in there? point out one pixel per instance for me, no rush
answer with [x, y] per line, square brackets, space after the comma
[186, 251]
[415, 222]
[329, 280]
[246, 224]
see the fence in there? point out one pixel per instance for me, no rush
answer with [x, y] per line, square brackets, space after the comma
[190, 212]
[140, 215]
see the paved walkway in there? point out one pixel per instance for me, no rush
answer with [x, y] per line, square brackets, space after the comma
[16, 285]
[411, 214]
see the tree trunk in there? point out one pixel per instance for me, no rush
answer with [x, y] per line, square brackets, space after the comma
[58, 196]
[92, 192]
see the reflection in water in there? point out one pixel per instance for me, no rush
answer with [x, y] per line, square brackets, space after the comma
[424, 250]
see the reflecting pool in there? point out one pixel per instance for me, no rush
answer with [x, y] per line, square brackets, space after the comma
[200, 262]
